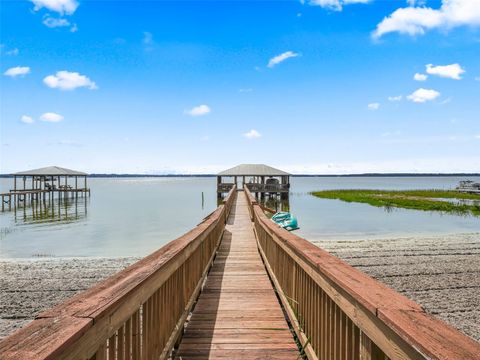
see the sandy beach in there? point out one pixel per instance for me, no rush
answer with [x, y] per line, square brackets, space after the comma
[28, 287]
[441, 273]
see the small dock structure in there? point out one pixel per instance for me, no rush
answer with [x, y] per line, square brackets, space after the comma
[469, 187]
[38, 184]
[261, 179]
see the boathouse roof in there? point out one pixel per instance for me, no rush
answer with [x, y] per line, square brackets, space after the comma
[253, 170]
[51, 171]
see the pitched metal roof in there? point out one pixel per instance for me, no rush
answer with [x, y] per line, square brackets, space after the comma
[253, 170]
[51, 171]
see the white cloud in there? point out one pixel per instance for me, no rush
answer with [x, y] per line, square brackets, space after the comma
[17, 71]
[417, 20]
[60, 6]
[147, 38]
[416, 2]
[420, 77]
[74, 28]
[247, 90]
[374, 106]
[282, 57]
[395, 98]
[198, 110]
[477, 136]
[13, 52]
[53, 22]
[336, 5]
[477, 78]
[423, 95]
[51, 117]
[252, 134]
[26, 119]
[453, 71]
[66, 80]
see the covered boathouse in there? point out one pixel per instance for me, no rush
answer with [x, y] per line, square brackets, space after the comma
[259, 178]
[50, 179]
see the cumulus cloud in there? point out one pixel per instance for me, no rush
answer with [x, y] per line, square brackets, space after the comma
[423, 95]
[417, 20]
[198, 110]
[60, 6]
[66, 80]
[336, 5]
[395, 98]
[453, 71]
[374, 106]
[53, 22]
[252, 134]
[420, 77]
[282, 57]
[26, 119]
[51, 117]
[17, 71]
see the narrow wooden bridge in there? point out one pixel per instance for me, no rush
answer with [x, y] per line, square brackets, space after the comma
[237, 314]
[238, 287]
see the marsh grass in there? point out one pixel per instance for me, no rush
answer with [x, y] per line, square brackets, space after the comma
[426, 200]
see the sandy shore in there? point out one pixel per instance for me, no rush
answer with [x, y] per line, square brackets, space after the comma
[28, 287]
[441, 273]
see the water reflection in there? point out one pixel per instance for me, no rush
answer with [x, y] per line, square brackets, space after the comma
[57, 210]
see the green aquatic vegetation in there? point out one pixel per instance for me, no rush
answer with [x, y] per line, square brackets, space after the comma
[426, 200]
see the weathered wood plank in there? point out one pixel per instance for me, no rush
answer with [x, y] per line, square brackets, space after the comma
[238, 314]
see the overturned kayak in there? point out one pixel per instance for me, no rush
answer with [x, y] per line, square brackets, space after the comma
[285, 220]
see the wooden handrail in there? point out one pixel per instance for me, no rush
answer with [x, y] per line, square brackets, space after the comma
[338, 312]
[137, 313]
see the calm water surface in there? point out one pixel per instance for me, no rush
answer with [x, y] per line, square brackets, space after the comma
[135, 216]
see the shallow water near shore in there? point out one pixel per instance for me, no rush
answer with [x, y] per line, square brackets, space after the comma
[135, 216]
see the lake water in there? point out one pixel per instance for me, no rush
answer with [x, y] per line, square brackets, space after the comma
[135, 216]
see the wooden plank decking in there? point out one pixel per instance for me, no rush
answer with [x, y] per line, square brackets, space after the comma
[238, 314]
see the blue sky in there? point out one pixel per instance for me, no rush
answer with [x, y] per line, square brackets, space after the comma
[194, 87]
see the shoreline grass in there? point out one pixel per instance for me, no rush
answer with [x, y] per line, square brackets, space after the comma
[424, 200]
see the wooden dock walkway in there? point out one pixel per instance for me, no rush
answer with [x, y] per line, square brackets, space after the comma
[238, 314]
[336, 311]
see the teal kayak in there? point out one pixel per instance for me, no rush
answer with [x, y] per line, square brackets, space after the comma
[285, 220]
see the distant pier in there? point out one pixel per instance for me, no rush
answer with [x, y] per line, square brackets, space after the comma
[43, 184]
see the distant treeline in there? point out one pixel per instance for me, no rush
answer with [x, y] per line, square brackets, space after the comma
[295, 175]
